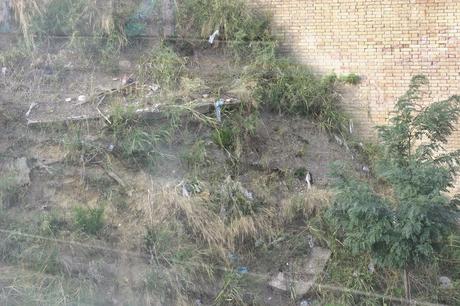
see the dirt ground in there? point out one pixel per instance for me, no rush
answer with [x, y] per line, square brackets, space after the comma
[272, 167]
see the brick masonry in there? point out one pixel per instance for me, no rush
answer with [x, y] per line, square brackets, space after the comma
[385, 42]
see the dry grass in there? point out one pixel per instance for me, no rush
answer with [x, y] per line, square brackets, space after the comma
[24, 11]
[305, 204]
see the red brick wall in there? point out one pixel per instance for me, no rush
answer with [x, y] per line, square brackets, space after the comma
[386, 42]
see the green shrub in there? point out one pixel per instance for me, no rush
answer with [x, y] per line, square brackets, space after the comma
[409, 225]
[89, 220]
[162, 66]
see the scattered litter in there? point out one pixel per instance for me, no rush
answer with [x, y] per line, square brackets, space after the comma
[243, 270]
[205, 96]
[306, 303]
[338, 140]
[366, 169]
[309, 179]
[228, 100]
[311, 241]
[68, 99]
[126, 80]
[81, 98]
[115, 79]
[213, 37]
[233, 257]
[446, 283]
[4, 71]
[198, 302]
[32, 105]
[185, 192]
[45, 207]
[154, 87]
[371, 267]
[351, 126]
[48, 70]
[110, 147]
[218, 106]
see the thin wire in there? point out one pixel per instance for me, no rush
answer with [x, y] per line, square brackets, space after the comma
[258, 275]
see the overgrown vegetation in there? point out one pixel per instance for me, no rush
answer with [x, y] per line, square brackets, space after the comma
[409, 226]
[217, 208]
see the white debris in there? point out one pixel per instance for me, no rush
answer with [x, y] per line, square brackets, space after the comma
[185, 192]
[82, 98]
[32, 105]
[446, 283]
[213, 37]
[68, 99]
[4, 69]
[338, 140]
[218, 106]
[351, 126]
[154, 87]
[308, 179]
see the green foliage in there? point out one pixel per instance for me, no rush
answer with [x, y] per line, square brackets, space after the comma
[411, 225]
[231, 291]
[162, 66]
[244, 30]
[351, 78]
[89, 220]
[224, 137]
[293, 89]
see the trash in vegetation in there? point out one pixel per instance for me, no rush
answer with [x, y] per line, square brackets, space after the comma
[126, 80]
[366, 169]
[446, 283]
[311, 241]
[306, 303]
[110, 147]
[81, 98]
[371, 267]
[4, 71]
[32, 105]
[218, 106]
[185, 192]
[309, 179]
[303, 273]
[213, 37]
[242, 270]
[48, 70]
[338, 140]
[351, 126]
[233, 257]
[68, 99]
[205, 96]
[115, 79]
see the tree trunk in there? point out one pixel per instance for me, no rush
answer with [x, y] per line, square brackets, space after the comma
[407, 286]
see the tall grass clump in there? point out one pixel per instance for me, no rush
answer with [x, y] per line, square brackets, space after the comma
[286, 87]
[162, 66]
[243, 29]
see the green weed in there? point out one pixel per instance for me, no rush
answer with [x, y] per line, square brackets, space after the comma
[89, 220]
[162, 66]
